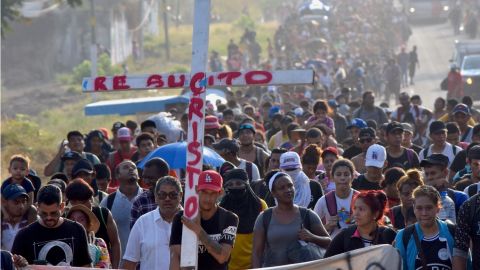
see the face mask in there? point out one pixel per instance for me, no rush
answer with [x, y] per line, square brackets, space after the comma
[237, 193]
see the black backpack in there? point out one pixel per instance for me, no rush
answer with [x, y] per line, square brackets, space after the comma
[472, 190]
[110, 199]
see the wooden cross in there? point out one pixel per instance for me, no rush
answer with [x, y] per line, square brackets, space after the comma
[197, 81]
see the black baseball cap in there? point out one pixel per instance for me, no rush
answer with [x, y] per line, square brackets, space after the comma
[435, 159]
[83, 165]
[117, 125]
[237, 174]
[391, 127]
[71, 155]
[367, 132]
[407, 127]
[437, 126]
[474, 152]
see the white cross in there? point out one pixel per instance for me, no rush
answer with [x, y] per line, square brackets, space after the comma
[197, 81]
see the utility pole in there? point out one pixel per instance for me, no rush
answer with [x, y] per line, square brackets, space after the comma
[165, 29]
[93, 46]
[177, 18]
[140, 34]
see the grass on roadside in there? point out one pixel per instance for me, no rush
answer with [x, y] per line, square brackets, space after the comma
[39, 136]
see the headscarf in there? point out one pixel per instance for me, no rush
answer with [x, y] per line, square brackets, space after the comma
[246, 205]
[301, 183]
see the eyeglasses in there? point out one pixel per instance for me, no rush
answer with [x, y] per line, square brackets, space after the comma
[369, 140]
[172, 195]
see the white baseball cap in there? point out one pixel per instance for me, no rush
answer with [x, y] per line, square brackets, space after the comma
[376, 156]
[290, 160]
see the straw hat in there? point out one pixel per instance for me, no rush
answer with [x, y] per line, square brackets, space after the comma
[94, 223]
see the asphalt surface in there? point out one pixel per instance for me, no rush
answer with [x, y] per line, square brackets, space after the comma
[435, 43]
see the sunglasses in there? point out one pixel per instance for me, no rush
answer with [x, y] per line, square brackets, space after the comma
[44, 215]
[369, 140]
[163, 195]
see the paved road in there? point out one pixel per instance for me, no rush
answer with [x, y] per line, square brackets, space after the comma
[435, 48]
[435, 44]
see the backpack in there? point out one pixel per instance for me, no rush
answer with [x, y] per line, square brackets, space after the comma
[110, 199]
[249, 169]
[472, 190]
[409, 155]
[464, 137]
[425, 151]
[408, 231]
[331, 202]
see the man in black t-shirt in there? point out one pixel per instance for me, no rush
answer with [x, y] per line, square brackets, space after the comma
[397, 155]
[52, 239]
[375, 162]
[466, 232]
[354, 128]
[215, 227]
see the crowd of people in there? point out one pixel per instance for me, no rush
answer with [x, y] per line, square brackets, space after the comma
[299, 182]
[307, 173]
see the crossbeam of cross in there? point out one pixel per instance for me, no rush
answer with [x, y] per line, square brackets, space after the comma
[197, 81]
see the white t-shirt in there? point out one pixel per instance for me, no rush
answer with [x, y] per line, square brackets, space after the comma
[447, 151]
[343, 211]
[255, 172]
[149, 241]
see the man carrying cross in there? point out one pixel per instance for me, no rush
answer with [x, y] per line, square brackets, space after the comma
[215, 227]
[197, 80]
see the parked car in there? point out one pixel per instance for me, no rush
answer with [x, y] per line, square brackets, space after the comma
[470, 71]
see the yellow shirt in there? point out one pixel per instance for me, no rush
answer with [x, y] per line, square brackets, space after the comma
[241, 257]
[277, 140]
[446, 118]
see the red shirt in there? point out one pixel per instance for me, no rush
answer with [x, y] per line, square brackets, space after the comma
[455, 85]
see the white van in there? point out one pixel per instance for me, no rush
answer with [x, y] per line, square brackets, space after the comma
[427, 10]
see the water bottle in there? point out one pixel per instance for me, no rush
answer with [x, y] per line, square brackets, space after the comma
[448, 208]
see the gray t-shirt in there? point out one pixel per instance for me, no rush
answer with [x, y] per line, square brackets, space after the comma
[377, 114]
[279, 236]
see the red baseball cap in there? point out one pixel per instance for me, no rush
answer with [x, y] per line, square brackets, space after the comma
[210, 180]
[331, 150]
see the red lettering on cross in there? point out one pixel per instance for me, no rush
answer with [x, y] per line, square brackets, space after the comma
[99, 84]
[191, 206]
[191, 171]
[155, 81]
[195, 107]
[120, 83]
[172, 83]
[252, 77]
[197, 78]
[211, 80]
[194, 145]
[229, 76]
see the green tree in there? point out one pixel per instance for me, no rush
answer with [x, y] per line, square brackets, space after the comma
[10, 12]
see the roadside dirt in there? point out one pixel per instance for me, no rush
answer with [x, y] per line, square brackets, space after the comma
[32, 100]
